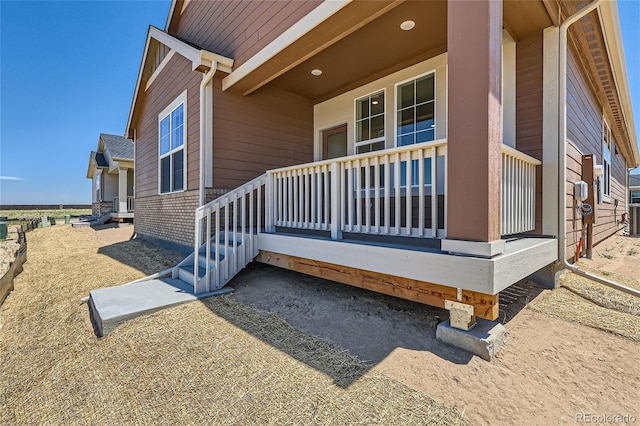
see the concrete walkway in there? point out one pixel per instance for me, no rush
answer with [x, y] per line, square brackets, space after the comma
[109, 307]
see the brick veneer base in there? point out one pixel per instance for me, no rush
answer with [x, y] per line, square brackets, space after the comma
[169, 218]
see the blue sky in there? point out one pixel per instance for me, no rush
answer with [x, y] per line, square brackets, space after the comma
[67, 73]
[68, 70]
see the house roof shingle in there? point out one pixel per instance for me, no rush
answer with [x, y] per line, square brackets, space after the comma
[634, 180]
[118, 146]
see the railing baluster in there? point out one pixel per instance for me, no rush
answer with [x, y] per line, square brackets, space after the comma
[367, 194]
[409, 194]
[421, 183]
[397, 192]
[342, 195]
[387, 195]
[305, 174]
[207, 266]
[376, 188]
[434, 192]
[216, 238]
[326, 197]
[226, 239]
[350, 194]
[358, 197]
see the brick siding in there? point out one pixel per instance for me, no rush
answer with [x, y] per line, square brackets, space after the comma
[169, 218]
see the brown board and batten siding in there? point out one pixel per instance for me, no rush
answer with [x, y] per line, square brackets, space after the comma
[242, 28]
[172, 81]
[529, 85]
[268, 129]
[584, 136]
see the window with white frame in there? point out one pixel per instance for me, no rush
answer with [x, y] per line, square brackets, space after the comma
[370, 131]
[172, 136]
[416, 105]
[635, 197]
[415, 118]
[607, 145]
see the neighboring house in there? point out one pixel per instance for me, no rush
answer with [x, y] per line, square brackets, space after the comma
[406, 147]
[634, 189]
[111, 172]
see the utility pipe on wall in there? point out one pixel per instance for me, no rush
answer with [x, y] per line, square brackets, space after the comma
[562, 152]
[203, 120]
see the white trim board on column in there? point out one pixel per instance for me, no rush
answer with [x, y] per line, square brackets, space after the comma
[550, 131]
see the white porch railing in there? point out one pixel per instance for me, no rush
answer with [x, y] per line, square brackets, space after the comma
[130, 204]
[397, 191]
[518, 197]
[225, 234]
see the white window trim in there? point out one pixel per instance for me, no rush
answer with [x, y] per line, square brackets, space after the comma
[435, 103]
[355, 120]
[181, 99]
[606, 198]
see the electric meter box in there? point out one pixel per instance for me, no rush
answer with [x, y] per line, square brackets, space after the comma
[580, 190]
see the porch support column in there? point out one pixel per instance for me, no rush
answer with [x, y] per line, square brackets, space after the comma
[474, 46]
[122, 191]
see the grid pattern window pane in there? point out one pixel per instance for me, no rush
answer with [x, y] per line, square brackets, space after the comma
[416, 111]
[178, 170]
[177, 118]
[606, 159]
[172, 151]
[165, 174]
[370, 118]
[165, 135]
[635, 197]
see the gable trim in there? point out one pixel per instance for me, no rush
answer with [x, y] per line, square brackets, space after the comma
[202, 60]
[158, 70]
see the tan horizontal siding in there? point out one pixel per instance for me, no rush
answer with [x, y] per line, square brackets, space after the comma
[238, 29]
[172, 81]
[270, 128]
[584, 136]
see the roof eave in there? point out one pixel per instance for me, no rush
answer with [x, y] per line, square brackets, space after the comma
[611, 27]
[201, 60]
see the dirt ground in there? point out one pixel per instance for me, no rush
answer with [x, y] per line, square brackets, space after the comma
[557, 364]
[215, 362]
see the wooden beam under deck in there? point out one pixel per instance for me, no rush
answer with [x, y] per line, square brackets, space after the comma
[485, 305]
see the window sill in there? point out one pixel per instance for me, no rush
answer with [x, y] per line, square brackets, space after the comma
[172, 192]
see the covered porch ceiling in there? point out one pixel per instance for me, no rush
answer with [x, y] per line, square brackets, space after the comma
[365, 42]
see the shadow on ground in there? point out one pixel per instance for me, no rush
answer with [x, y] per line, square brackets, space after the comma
[142, 255]
[300, 314]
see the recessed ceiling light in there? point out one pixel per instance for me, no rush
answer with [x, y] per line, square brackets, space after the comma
[407, 25]
[374, 102]
[316, 72]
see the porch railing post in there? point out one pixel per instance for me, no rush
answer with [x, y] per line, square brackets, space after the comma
[269, 203]
[336, 198]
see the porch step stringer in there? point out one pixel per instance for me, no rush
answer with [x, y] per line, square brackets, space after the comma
[232, 257]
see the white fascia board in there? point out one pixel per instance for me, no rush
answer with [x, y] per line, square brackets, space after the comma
[137, 88]
[170, 15]
[613, 39]
[91, 167]
[198, 57]
[293, 33]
